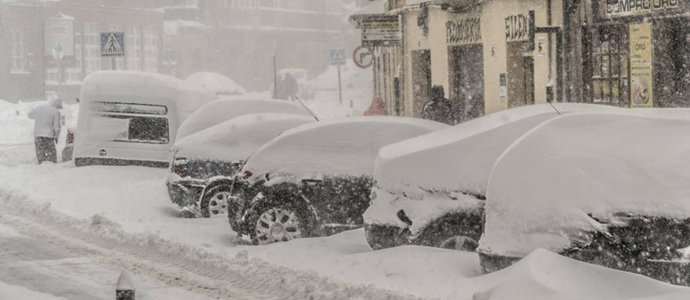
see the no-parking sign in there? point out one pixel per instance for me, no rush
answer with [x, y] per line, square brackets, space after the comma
[363, 57]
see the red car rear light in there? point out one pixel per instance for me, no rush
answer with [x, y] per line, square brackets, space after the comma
[179, 165]
[70, 136]
[243, 175]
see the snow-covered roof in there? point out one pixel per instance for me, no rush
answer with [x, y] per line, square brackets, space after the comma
[144, 87]
[222, 110]
[237, 138]
[336, 147]
[460, 158]
[544, 188]
[214, 83]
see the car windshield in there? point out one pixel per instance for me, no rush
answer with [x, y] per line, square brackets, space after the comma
[345, 149]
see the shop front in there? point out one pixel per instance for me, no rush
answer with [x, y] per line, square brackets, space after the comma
[640, 53]
[466, 66]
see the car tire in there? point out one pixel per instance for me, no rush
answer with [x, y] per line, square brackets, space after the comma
[385, 236]
[458, 230]
[217, 202]
[280, 223]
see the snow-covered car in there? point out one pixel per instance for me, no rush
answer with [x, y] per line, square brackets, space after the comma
[314, 180]
[132, 118]
[431, 190]
[221, 110]
[609, 188]
[306, 88]
[218, 84]
[220, 151]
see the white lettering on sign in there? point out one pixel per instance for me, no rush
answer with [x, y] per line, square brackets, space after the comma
[465, 31]
[621, 8]
[517, 27]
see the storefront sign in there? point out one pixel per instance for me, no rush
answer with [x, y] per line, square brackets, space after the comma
[502, 82]
[623, 8]
[380, 29]
[641, 89]
[463, 32]
[517, 27]
[58, 40]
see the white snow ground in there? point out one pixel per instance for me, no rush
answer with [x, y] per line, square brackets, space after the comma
[127, 207]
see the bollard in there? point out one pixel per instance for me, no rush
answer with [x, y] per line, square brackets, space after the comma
[125, 288]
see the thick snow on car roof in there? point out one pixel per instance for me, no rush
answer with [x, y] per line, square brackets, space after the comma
[144, 87]
[544, 188]
[222, 110]
[336, 147]
[461, 158]
[237, 138]
[215, 83]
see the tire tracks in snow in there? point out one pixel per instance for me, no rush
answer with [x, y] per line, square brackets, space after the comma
[174, 263]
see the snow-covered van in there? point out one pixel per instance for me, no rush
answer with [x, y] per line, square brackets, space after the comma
[608, 188]
[131, 118]
[315, 179]
[431, 190]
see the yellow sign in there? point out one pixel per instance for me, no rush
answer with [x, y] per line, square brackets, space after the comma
[641, 85]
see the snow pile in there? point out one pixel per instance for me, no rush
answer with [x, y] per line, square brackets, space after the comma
[335, 147]
[545, 275]
[222, 110]
[119, 86]
[214, 83]
[237, 138]
[549, 187]
[8, 291]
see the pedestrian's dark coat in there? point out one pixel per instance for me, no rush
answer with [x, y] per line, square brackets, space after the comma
[438, 108]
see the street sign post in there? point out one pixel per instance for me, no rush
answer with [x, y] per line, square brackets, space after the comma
[58, 38]
[338, 59]
[112, 45]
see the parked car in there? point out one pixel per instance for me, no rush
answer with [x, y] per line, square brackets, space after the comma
[215, 83]
[220, 151]
[222, 110]
[431, 190]
[131, 118]
[315, 179]
[69, 145]
[306, 89]
[609, 189]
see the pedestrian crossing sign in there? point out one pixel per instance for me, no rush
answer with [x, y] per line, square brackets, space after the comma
[112, 44]
[337, 57]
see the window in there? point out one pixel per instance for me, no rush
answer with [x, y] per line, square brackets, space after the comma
[92, 46]
[610, 65]
[130, 108]
[20, 62]
[132, 129]
[150, 49]
[133, 51]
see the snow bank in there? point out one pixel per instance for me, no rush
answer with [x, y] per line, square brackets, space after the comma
[120, 86]
[343, 147]
[545, 186]
[8, 291]
[222, 110]
[237, 138]
[545, 275]
[214, 83]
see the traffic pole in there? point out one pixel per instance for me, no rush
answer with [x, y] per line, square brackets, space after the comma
[340, 87]
[275, 79]
[112, 62]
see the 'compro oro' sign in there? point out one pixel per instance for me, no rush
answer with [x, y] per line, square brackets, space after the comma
[626, 8]
[464, 31]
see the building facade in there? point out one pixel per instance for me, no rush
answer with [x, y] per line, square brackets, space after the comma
[29, 71]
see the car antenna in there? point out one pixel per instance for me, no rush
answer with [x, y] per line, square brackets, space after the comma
[309, 110]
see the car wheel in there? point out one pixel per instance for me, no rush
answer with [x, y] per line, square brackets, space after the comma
[457, 230]
[216, 202]
[461, 243]
[385, 236]
[276, 225]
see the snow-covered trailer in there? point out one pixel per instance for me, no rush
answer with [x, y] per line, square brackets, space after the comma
[131, 118]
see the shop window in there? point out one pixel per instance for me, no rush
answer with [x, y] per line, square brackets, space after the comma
[610, 81]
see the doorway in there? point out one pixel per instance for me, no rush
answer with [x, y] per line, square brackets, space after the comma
[421, 79]
[466, 79]
[520, 74]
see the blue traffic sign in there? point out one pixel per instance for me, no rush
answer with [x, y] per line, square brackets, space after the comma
[112, 44]
[337, 57]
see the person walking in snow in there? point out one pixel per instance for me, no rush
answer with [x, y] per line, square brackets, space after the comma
[438, 108]
[291, 87]
[47, 129]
